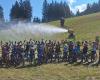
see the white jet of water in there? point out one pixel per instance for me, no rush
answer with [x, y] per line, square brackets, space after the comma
[24, 30]
[34, 28]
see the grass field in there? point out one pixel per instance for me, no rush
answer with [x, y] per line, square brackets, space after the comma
[60, 71]
[86, 28]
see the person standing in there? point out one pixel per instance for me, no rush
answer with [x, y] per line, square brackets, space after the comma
[62, 21]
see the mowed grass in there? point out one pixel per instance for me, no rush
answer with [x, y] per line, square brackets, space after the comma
[85, 27]
[51, 72]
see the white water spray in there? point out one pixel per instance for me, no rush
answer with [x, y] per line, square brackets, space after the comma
[29, 30]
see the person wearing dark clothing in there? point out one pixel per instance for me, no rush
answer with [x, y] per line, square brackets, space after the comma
[84, 52]
[70, 56]
[62, 21]
[58, 51]
[27, 50]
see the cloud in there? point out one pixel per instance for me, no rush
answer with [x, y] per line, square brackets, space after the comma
[71, 1]
[74, 9]
[81, 8]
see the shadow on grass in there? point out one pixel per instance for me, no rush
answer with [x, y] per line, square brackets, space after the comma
[81, 63]
[27, 66]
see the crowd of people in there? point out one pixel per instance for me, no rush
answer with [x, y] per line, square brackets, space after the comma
[46, 51]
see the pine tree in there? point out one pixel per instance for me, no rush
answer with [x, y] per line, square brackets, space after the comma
[45, 10]
[36, 20]
[78, 13]
[27, 10]
[1, 14]
[21, 10]
[14, 14]
[88, 11]
[55, 10]
[99, 5]
[67, 10]
[72, 14]
[94, 8]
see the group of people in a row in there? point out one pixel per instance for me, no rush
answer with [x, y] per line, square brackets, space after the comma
[39, 52]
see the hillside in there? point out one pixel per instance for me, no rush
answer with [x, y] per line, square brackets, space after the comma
[85, 27]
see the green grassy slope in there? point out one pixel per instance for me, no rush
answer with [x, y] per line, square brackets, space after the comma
[85, 27]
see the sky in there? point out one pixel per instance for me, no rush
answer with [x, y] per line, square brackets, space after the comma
[37, 6]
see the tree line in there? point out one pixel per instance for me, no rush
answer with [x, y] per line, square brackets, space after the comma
[55, 10]
[91, 8]
[22, 10]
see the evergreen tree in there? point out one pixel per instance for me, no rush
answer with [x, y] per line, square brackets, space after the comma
[78, 13]
[88, 10]
[67, 10]
[1, 14]
[27, 10]
[72, 14]
[36, 20]
[55, 10]
[45, 10]
[21, 10]
[94, 8]
[99, 5]
[14, 14]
